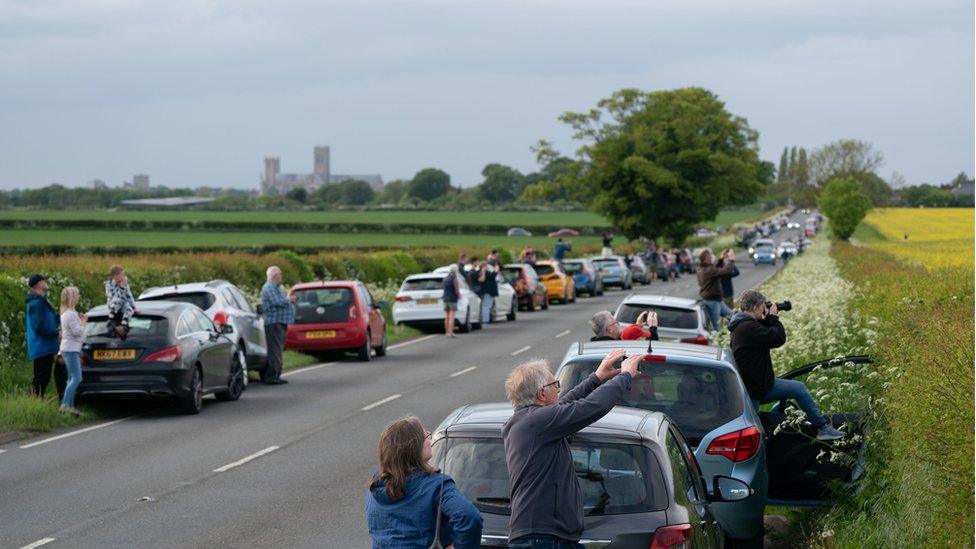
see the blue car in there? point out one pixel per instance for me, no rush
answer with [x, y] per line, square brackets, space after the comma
[764, 254]
[700, 390]
[585, 275]
[614, 271]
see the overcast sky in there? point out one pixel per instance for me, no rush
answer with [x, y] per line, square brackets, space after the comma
[197, 92]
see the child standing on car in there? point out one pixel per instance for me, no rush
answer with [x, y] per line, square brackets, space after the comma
[121, 304]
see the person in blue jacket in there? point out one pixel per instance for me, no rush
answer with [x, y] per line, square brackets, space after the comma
[404, 493]
[42, 323]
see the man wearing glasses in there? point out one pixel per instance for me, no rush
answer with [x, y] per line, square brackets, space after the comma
[546, 500]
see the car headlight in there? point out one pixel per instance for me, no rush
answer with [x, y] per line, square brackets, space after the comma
[755, 256]
[751, 250]
[772, 256]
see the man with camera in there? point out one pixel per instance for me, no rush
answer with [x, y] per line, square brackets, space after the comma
[755, 330]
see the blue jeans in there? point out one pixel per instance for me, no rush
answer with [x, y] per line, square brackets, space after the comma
[72, 363]
[487, 301]
[714, 311]
[790, 388]
[530, 542]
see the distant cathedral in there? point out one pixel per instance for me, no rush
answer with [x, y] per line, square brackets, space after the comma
[274, 182]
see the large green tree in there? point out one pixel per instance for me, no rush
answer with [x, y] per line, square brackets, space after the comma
[428, 184]
[656, 163]
[502, 184]
[844, 204]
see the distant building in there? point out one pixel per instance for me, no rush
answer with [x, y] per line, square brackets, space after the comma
[964, 189]
[96, 184]
[275, 182]
[140, 181]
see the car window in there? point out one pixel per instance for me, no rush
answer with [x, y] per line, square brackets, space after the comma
[543, 270]
[614, 478]
[685, 491]
[204, 300]
[511, 274]
[423, 284]
[698, 398]
[184, 325]
[322, 305]
[139, 326]
[605, 263]
[229, 298]
[201, 320]
[573, 268]
[667, 317]
[242, 302]
[364, 293]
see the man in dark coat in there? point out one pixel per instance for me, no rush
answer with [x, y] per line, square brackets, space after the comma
[42, 323]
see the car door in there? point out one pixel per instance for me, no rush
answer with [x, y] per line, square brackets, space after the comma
[688, 491]
[253, 327]
[377, 324]
[506, 294]
[215, 350]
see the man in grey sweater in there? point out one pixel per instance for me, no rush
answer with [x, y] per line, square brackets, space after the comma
[546, 500]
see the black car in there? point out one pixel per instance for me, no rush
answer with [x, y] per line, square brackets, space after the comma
[173, 350]
[641, 484]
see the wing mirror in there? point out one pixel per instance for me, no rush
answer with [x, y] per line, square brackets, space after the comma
[381, 304]
[260, 309]
[226, 329]
[729, 489]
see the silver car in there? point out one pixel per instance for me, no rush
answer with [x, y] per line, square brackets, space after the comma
[679, 318]
[224, 303]
[700, 389]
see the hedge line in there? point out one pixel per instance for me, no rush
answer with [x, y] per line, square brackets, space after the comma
[274, 226]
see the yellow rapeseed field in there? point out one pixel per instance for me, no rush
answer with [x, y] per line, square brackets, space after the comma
[934, 237]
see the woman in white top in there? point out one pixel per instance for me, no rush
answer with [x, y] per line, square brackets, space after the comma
[72, 337]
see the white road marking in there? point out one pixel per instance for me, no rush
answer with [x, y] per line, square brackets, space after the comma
[38, 543]
[242, 461]
[308, 369]
[561, 334]
[464, 371]
[522, 350]
[73, 433]
[2, 451]
[411, 342]
[380, 402]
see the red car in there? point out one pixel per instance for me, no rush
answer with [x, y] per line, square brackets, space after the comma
[337, 315]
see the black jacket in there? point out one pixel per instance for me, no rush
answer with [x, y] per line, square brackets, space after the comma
[751, 341]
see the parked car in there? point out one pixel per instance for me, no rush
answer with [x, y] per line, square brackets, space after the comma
[173, 351]
[586, 277]
[764, 254]
[337, 315]
[529, 290]
[614, 271]
[224, 303]
[559, 285]
[639, 270]
[518, 231]
[760, 242]
[505, 305]
[419, 303]
[787, 248]
[699, 388]
[640, 482]
[679, 319]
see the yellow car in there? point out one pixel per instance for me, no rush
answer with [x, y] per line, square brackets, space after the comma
[559, 285]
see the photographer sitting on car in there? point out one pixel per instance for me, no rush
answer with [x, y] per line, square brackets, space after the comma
[755, 330]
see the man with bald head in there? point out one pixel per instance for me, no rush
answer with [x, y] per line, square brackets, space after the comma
[279, 312]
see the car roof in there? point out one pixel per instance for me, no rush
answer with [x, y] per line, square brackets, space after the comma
[664, 300]
[190, 287]
[599, 257]
[599, 349]
[620, 419]
[160, 308]
[325, 284]
[425, 275]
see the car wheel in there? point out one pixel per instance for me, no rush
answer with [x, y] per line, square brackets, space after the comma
[365, 354]
[235, 384]
[242, 350]
[511, 314]
[192, 401]
[545, 302]
[466, 327]
[381, 350]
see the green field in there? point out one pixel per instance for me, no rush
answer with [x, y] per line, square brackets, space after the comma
[514, 219]
[188, 239]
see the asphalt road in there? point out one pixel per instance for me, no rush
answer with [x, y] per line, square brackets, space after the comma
[160, 479]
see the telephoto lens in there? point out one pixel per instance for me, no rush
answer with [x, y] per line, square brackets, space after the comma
[785, 305]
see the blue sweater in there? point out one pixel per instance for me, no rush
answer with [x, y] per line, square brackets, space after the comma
[42, 327]
[408, 523]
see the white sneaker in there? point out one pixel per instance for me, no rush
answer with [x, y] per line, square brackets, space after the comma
[827, 432]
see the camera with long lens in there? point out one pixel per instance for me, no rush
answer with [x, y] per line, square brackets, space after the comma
[784, 305]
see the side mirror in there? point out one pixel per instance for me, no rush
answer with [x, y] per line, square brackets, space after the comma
[226, 329]
[259, 309]
[729, 489]
[381, 304]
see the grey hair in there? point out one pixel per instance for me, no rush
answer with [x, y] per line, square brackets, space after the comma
[600, 321]
[525, 381]
[750, 299]
[271, 271]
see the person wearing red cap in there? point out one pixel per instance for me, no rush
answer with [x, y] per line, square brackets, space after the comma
[644, 328]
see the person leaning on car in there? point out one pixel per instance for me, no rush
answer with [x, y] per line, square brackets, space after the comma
[546, 500]
[606, 328]
[755, 330]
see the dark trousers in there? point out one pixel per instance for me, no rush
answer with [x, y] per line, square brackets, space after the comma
[275, 335]
[42, 376]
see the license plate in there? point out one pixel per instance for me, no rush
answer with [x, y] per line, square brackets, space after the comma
[427, 302]
[323, 334]
[114, 354]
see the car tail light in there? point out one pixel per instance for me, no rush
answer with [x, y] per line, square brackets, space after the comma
[675, 537]
[699, 340]
[737, 446]
[169, 354]
[220, 319]
[655, 358]
[403, 298]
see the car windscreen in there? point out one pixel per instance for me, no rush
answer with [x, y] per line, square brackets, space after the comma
[605, 263]
[511, 274]
[204, 300]
[614, 478]
[667, 317]
[139, 326]
[423, 284]
[320, 305]
[543, 270]
[572, 268]
[698, 398]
